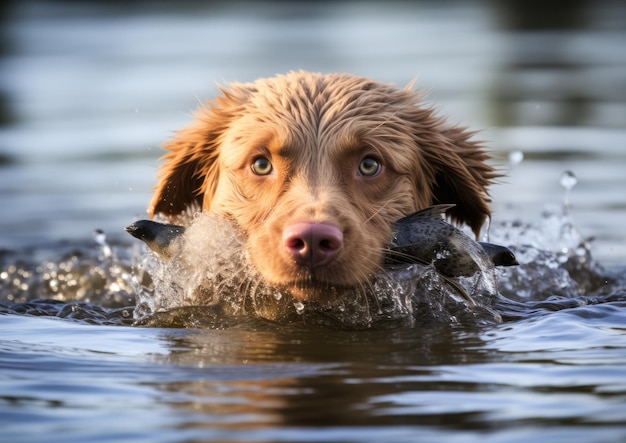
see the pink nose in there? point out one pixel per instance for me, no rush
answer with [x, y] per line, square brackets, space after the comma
[312, 244]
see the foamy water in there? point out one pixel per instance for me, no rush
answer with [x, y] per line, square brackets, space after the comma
[210, 271]
[211, 267]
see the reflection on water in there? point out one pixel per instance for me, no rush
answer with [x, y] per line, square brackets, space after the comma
[88, 92]
[546, 377]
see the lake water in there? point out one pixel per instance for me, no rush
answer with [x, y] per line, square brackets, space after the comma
[88, 93]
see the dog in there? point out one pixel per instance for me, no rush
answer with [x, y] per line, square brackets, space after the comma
[314, 169]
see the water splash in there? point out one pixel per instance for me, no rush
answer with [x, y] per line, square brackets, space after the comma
[555, 258]
[89, 281]
[100, 238]
[212, 268]
[212, 281]
[568, 181]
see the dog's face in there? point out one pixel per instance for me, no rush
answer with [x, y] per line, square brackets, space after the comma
[315, 169]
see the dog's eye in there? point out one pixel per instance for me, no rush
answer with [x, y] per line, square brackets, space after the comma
[369, 167]
[261, 166]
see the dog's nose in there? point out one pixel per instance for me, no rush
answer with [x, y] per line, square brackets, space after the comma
[312, 244]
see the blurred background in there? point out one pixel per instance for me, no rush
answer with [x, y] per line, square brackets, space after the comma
[89, 91]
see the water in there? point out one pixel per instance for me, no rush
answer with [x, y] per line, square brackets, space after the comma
[89, 92]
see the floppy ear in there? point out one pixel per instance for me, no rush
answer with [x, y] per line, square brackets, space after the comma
[189, 173]
[461, 176]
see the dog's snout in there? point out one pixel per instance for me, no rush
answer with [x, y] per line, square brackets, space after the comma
[312, 244]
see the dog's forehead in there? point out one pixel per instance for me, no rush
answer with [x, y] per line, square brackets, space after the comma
[309, 110]
[310, 95]
[297, 116]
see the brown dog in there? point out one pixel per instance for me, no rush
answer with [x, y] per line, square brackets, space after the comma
[315, 168]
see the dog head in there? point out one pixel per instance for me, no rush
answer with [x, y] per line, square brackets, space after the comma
[315, 168]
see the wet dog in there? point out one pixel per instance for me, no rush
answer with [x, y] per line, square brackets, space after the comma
[315, 169]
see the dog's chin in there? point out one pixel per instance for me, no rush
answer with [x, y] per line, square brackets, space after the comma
[306, 286]
[312, 290]
[323, 284]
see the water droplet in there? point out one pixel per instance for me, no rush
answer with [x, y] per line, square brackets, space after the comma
[515, 157]
[99, 237]
[581, 251]
[568, 180]
[299, 307]
[278, 295]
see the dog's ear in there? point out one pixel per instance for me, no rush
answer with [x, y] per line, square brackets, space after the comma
[189, 167]
[461, 175]
[189, 172]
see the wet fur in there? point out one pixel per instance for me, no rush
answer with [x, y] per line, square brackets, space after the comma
[316, 129]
